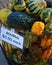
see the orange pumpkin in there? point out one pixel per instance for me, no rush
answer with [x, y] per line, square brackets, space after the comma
[47, 53]
[46, 42]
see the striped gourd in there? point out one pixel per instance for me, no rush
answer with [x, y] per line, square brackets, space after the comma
[35, 6]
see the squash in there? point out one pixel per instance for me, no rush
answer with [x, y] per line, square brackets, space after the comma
[43, 41]
[20, 19]
[19, 5]
[38, 27]
[4, 13]
[47, 53]
[35, 6]
[46, 15]
[46, 41]
[49, 26]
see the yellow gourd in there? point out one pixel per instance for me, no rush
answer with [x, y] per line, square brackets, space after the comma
[38, 27]
[4, 13]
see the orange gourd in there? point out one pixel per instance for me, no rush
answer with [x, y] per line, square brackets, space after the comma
[47, 53]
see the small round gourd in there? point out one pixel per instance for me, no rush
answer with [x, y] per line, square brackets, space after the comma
[38, 27]
[46, 15]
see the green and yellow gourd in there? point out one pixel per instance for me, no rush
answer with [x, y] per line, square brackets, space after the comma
[4, 13]
[49, 26]
[35, 6]
[46, 15]
[17, 5]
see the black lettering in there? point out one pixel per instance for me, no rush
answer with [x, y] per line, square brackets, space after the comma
[4, 36]
[9, 39]
[16, 42]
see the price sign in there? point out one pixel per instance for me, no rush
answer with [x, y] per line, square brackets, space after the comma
[12, 38]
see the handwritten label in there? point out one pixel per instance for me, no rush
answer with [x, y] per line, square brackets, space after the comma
[12, 38]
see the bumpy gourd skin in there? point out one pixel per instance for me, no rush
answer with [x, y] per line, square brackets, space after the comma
[46, 15]
[38, 27]
[35, 6]
[20, 19]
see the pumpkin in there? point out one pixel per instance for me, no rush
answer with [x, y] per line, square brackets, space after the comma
[43, 41]
[38, 27]
[46, 15]
[35, 6]
[47, 53]
[46, 41]
[20, 19]
[4, 13]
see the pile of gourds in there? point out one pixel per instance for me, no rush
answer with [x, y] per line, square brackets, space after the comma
[34, 18]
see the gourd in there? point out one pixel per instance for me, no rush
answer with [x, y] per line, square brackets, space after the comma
[35, 6]
[20, 19]
[38, 27]
[46, 42]
[46, 15]
[47, 53]
[20, 5]
[49, 26]
[4, 13]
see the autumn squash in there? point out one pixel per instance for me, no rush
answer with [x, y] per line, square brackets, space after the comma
[46, 41]
[4, 13]
[10, 6]
[20, 19]
[18, 5]
[38, 27]
[49, 26]
[46, 15]
[35, 6]
[47, 53]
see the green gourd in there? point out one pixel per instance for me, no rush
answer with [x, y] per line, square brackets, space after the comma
[20, 19]
[46, 15]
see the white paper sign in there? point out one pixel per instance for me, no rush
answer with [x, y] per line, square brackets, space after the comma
[12, 38]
